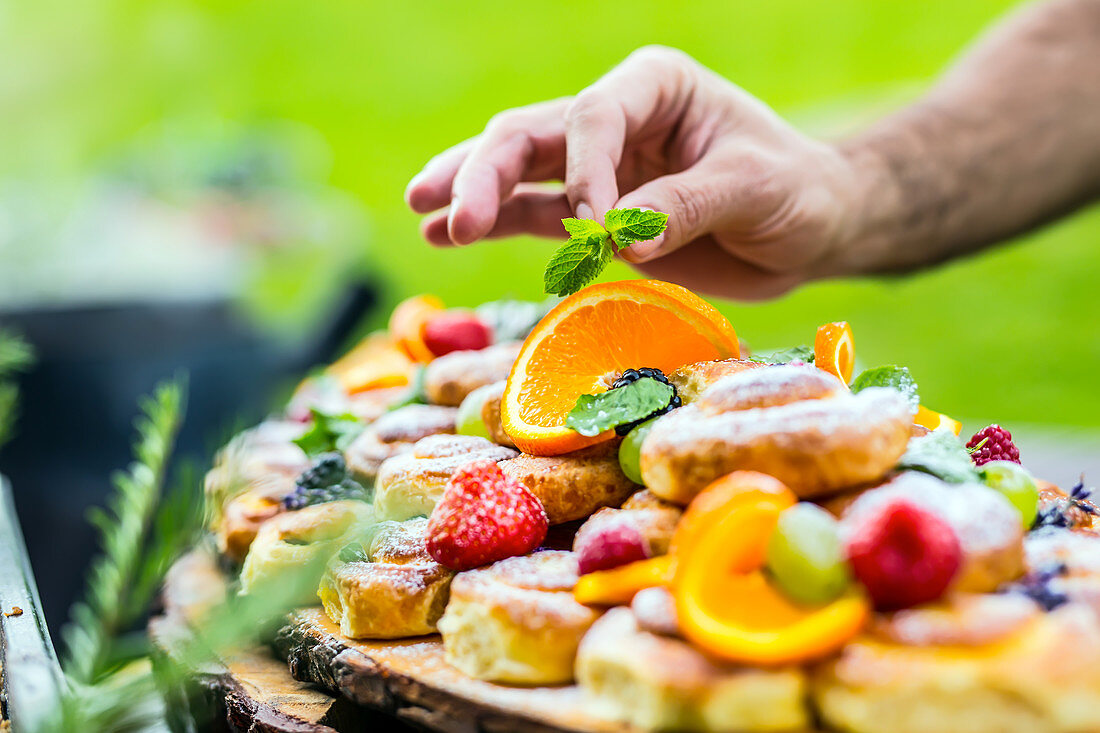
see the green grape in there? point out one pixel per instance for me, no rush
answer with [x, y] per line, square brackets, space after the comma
[469, 420]
[630, 450]
[805, 555]
[1016, 484]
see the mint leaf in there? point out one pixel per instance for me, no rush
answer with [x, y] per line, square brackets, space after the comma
[785, 356]
[596, 414]
[583, 228]
[590, 247]
[894, 377]
[628, 226]
[941, 454]
[329, 433]
[575, 264]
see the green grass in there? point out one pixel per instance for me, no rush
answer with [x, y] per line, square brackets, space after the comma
[1008, 336]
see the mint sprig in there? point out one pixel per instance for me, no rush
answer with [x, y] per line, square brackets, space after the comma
[785, 356]
[329, 433]
[591, 246]
[596, 414]
[941, 454]
[894, 377]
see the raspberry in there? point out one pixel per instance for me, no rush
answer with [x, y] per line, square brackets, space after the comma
[609, 546]
[903, 555]
[997, 446]
[633, 375]
[484, 516]
[456, 330]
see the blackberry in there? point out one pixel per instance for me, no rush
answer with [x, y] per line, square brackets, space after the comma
[633, 375]
[326, 480]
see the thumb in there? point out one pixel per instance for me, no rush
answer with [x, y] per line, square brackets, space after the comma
[693, 200]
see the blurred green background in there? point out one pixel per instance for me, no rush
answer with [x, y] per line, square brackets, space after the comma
[1011, 335]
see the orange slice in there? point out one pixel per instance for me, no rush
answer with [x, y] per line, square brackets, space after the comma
[588, 339]
[617, 586]
[936, 420]
[407, 325]
[725, 603]
[835, 350]
[374, 362]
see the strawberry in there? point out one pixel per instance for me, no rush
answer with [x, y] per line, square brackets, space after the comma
[904, 555]
[484, 516]
[456, 330]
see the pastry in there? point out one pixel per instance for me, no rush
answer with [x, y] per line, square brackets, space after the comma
[448, 379]
[395, 433]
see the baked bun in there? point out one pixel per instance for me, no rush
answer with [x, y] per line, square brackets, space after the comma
[573, 485]
[515, 621]
[795, 423]
[655, 682]
[490, 415]
[1041, 675]
[301, 542]
[394, 589]
[395, 433]
[691, 380]
[987, 525]
[410, 484]
[250, 477]
[654, 519]
[448, 379]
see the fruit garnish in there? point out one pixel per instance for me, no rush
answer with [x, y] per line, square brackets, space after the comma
[484, 516]
[456, 330]
[407, 325]
[469, 420]
[941, 454]
[630, 451]
[1016, 484]
[591, 246]
[835, 350]
[806, 556]
[375, 362]
[611, 545]
[621, 407]
[1075, 509]
[903, 555]
[992, 443]
[795, 354]
[326, 480]
[891, 376]
[329, 432]
[618, 586]
[589, 339]
[724, 600]
[936, 420]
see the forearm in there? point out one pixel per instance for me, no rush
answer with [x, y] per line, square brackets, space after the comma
[1008, 139]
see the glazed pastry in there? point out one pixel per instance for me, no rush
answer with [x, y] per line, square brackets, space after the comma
[988, 527]
[515, 621]
[301, 542]
[656, 682]
[451, 377]
[1040, 674]
[409, 485]
[395, 433]
[395, 590]
[573, 485]
[795, 423]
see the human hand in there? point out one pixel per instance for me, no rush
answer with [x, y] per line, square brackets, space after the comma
[754, 206]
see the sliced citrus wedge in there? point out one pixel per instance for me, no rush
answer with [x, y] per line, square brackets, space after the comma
[618, 586]
[835, 350]
[724, 601]
[590, 338]
[407, 325]
[935, 420]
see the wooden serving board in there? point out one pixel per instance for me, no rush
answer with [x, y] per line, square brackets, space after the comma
[323, 672]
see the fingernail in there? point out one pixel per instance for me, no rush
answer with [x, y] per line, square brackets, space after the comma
[584, 211]
[642, 251]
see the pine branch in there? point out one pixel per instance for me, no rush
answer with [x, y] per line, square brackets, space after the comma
[113, 596]
[16, 356]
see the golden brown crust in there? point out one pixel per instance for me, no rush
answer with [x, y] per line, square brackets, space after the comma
[516, 620]
[691, 380]
[395, 433]
[490, 415]
[242, 520]
[573, 485]
[450, 378]
[816, 446]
